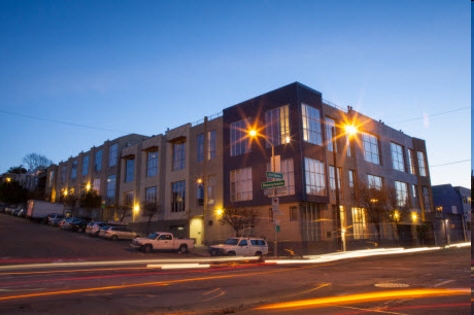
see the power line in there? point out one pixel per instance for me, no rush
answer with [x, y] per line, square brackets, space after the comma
[432, 115]
[61, 122]
[451, 163]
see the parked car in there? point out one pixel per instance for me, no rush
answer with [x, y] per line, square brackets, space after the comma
[117, 232]
[64, 224]
[93, 227]
[242, 246]
[54, 218]
[162, 241]
[21, 213]
[78, 225]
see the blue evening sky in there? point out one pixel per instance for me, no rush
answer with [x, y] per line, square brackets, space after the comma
[74, 74]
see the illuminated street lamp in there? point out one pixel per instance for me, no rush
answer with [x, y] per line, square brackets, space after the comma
[253, 133]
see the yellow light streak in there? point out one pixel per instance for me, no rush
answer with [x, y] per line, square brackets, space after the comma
[366, 297]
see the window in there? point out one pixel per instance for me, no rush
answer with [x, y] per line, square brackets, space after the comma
[371, 148]
[315, 177]
[426, 198]
[293, 213]
[113, 155]
[277, 125]
[359, 225]
[150, 194]
[211, 186]
[241, 184]
[239, 141]
[211, 145]
[200, 147]
[351, 183]
[374, 182]
[200, 194]
[402, 193]
[398, 160]
[111, 181]
[98, 161]
[96, 185]
[152, 163]
[129, 170]
[128, 198]
[331, 133]
[85, 165]
[411, 162]
[178, 191]
[421, 163]
[74, 170]
[51, 179]
[287, 169]
[332, 180]
[311, 119]
[179, 155]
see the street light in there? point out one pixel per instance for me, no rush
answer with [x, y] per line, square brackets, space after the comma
[253, 133]
[339, 237]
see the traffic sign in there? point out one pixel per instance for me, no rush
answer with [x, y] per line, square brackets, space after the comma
[275, 183]
[274, 175]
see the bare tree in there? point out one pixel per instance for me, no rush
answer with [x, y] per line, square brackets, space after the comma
[150, 209]
[123, 211]
[239, 218]
[35, 161]
[378, 204]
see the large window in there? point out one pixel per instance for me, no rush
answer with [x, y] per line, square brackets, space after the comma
[113, 155]
[402, 194]
[239, 140]
[315, 177]
[98, 161]
[426, 198]
[211, 146]
[63, 174]
[178, 190]
[359, 225]
[85, 165]
[129, 170]
[150, 194]
[374, 182]
[111, 182]
[331, 133]
[288, 171]
[311, 119]
[241, 184]
[371, 148]
[152, 163]
[421, 163]
[411, 161]
[277, 125]
[398, 161]
[179, 155]
[74, 170]
[211, 190]
[332, 181]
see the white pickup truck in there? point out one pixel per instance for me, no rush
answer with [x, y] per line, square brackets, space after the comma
[162, 241]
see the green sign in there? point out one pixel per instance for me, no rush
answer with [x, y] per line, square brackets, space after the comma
[274, 175]
[275, 183]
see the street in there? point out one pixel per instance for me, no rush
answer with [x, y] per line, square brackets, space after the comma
[44, 270]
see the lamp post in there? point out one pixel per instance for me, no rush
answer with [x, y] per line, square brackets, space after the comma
[254, 133]
[340, 235]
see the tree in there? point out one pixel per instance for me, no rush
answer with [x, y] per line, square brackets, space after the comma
[150, 209]
[12, 192]
[90, 199]
[35, 161]
[123, 211]
[17, 170]
[239, 219]
[70, 201]
[378, 204]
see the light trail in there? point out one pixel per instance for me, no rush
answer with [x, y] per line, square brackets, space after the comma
[365, 297]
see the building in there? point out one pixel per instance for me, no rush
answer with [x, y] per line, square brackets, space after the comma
[453, 213]
[307, 139]
[302, 171]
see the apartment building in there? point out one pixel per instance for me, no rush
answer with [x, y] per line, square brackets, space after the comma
[300, 170]
[307, 140]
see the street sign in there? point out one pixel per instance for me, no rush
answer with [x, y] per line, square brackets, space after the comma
[275, 183]
[275, 201]
[274, 175]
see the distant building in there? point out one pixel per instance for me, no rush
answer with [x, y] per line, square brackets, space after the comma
[453, 211]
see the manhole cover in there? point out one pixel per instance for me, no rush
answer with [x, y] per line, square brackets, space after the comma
[391, 285]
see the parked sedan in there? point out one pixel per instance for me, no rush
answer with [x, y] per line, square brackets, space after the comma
[54, 218]
[117, 232]
[78, 225]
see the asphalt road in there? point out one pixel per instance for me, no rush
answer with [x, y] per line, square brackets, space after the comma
[435, 282]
